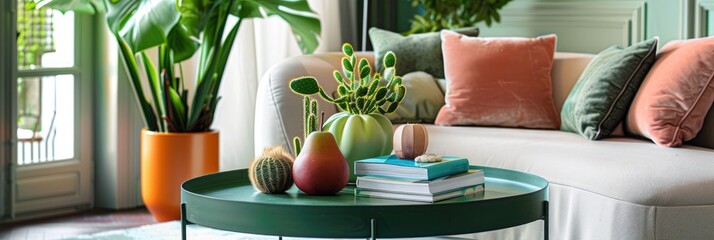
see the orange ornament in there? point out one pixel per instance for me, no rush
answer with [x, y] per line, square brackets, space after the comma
[410, 141]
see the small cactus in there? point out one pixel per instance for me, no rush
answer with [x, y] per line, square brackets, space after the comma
[272, 172]
[310, 121]
[359, 92]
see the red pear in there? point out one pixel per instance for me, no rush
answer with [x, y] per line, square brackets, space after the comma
[320, 168]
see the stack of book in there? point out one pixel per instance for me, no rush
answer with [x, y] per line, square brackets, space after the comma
[402, 179]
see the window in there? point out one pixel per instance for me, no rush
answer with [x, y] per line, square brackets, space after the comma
[45, 86]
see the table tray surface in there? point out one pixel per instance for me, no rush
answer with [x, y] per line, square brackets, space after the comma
[228, 201]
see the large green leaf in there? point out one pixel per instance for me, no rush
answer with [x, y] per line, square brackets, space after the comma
[142, 23]
[80, 6]
[181, 42]
[247, 9]
[297, 13]
[195, 13]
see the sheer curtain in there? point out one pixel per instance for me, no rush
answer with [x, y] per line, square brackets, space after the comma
[261, 43]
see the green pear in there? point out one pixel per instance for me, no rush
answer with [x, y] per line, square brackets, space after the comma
[320, 168]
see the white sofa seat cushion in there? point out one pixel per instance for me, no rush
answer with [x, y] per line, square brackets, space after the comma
[632, 170]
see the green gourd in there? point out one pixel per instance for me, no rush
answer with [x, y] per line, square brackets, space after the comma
[272, 171]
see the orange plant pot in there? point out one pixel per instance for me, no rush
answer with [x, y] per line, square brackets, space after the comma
[169, 159]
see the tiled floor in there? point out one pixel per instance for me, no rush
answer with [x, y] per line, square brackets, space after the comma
[77, 224]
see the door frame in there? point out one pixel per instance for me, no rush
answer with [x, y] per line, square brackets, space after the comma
[8, 108]
[85, 50]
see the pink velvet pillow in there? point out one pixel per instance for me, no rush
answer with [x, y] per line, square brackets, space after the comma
[676, 95]
[498, 81]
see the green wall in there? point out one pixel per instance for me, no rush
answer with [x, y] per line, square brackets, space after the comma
[392, 15]
[593, 25]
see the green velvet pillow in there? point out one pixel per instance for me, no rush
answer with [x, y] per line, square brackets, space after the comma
[422, 102]
[416, 52]
[600, 99]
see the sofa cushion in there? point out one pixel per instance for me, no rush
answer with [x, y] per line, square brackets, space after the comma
[416, 52]
[600, 99]
[631, 170]
[498, 81]
[674, 99]
[422, 102]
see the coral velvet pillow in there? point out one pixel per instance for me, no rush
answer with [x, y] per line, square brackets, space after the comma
[676, 95]
[498, 81]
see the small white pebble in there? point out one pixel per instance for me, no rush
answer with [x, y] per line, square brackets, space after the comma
[429, 157]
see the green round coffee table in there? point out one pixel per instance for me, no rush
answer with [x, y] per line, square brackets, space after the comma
[227, 201]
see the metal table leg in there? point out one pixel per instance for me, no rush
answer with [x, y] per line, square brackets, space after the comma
[184, 221]
[545, 220]
[374, 229]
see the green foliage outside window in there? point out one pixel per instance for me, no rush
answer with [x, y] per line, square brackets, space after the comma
[34, 38]
[34, 33]
[451, 14]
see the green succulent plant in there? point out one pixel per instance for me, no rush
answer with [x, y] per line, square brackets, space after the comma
[452, 14]
[359, 92]
[361, 130]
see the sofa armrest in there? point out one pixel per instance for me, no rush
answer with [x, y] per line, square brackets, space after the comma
[278, 111]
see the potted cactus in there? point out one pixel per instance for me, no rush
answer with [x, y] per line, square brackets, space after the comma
[178, 142]
[361, 129]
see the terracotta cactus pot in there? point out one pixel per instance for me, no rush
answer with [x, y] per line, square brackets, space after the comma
[410, 141]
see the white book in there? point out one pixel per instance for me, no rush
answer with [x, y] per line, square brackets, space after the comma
[419, 198]
[421, 187]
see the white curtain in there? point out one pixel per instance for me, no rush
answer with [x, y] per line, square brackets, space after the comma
[261, 43]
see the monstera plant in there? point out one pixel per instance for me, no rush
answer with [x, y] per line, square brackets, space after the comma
[178, 142]
[361, 129]
[180, 28]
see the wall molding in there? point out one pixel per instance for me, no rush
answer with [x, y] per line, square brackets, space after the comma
[686, 29]
[629, 18]
[701, 13]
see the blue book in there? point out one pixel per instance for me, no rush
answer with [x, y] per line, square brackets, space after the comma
[391, 166]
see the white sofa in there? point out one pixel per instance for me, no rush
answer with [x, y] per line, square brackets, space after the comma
[617, 188]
